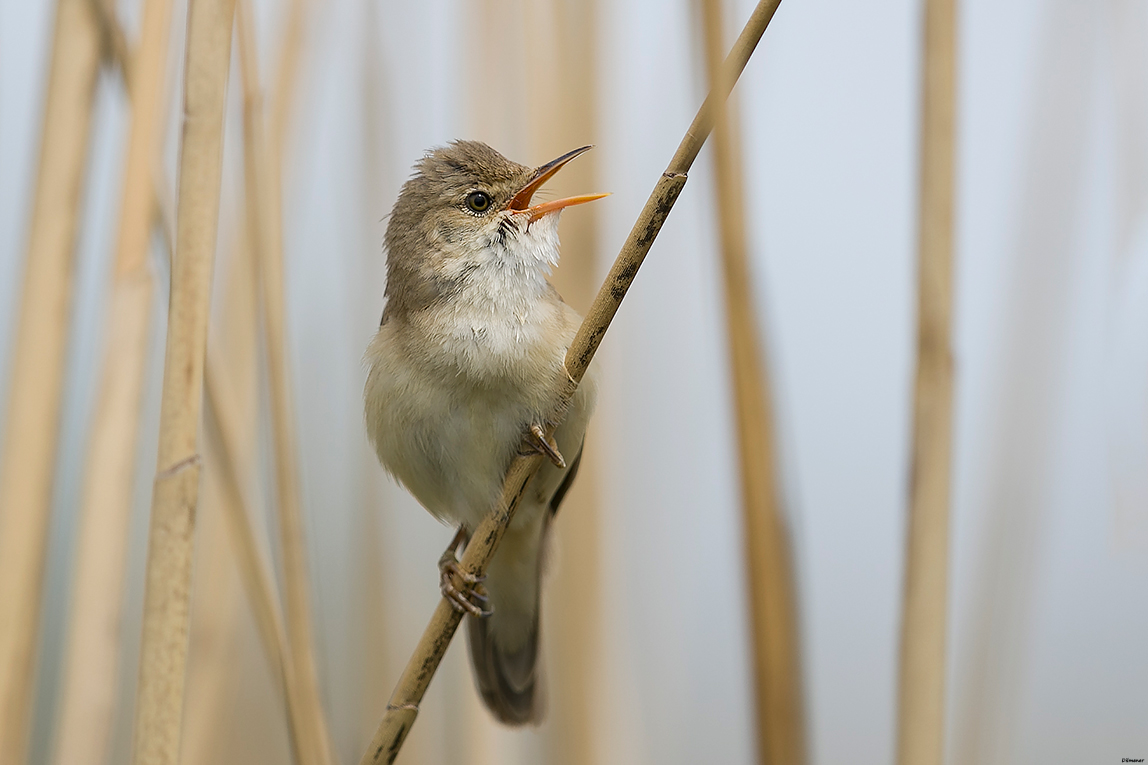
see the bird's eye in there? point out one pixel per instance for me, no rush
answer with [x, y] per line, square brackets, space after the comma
[478, 201]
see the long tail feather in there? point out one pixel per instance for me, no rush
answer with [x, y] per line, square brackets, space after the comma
[506, 680]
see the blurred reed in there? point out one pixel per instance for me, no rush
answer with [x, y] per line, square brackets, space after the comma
[254, 567]
[37, 370]
[232, 716]
[921, 711]
[548, 48]
[265, 229]
[233, 713]
[403, 706]
[375, 607]
[513, 39]
[769, 572]
[91, 661]
[562, 51]
[114, 41]
[163, 650]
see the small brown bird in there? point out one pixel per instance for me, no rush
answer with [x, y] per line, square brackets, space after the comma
[467, 363]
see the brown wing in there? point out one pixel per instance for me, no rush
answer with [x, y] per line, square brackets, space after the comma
[567, 481]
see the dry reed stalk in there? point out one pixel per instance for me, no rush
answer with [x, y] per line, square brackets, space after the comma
[216, 691]
[114, 41]
[403, 706]
[37, 371]
[92, 656]
[232, 712]
[768, 557]
[217, 664]
[921, 708]
[254, 568]
[373, 596]
[163, 650]
[561, 79]
[264, 222]
[286, 77]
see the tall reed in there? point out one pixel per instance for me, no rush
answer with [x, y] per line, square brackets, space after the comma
[768, 555]
[921, 710]
[254, 567]
[264, 222]
[404, 704]
[28, 455]
[163, 651]
[542, 105]
[92, 654]
[561, 78]
[224, 595]
[113, 40]
[232, 708]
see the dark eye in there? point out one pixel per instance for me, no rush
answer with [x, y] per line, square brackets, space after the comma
[478, 201]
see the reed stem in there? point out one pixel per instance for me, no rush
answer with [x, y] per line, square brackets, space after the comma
[264, 221]
[114, 42]
[254, 568]
[921, 711]
[403, 706]
[92, 658]
[28, 458]
[163, 651]
[562, 112]
[768, 558]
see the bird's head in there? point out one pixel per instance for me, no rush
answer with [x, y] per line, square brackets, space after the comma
[464, 205]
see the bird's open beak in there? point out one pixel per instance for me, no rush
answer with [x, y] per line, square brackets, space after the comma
[521, 200]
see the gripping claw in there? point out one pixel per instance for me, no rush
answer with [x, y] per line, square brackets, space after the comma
[543, 445]
[468, 596]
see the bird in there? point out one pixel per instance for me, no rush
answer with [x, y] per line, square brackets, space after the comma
[467, 371]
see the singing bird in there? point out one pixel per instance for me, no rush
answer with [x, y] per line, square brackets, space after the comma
[465, 372]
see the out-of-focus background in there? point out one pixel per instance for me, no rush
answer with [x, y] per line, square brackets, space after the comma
[645, 633]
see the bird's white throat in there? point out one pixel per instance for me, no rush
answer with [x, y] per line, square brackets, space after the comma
[508, 270]
[500, 312]
[531, 245]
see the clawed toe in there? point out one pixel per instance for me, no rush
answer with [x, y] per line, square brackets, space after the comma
[452, 567]
[471, 598]
[539, 442]
[468, 596]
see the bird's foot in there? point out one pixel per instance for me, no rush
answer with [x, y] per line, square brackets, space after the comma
[538, 442]
[468, 596]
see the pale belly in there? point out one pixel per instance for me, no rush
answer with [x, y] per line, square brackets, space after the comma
[449, 451]
[450, 440]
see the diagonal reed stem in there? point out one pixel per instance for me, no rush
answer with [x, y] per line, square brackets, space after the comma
[768, 557]
[562, 46]
[306, 724]
[87, 714]
[115, 43]
[254, 567]
[264, 222]
[403, 706]
[921, 706]
[28, 453]
[163, 650]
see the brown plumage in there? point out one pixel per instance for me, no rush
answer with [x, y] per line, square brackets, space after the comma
[468, 357]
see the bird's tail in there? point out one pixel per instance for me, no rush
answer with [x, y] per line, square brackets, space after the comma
[504, 645]
[506, 679]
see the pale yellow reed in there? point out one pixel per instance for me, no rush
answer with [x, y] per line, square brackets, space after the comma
[768, 554]
[28, 456]
[265, 228]
[92, 655]
[403, 706]
[163, 650]
[921, 710]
